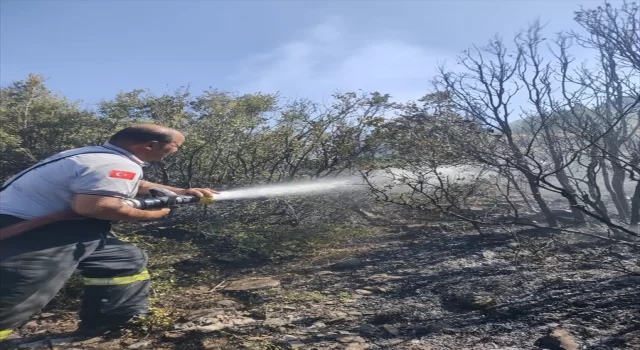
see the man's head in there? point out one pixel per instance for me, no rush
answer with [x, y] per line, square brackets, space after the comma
[148, 142]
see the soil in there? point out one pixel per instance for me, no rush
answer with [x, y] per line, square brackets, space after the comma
[408, 288]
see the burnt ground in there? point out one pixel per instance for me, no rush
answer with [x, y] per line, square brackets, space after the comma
[413, 288]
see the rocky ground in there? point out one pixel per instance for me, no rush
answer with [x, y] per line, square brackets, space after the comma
[413, 288]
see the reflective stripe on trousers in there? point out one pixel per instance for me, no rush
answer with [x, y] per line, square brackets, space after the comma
[5, 333]
[144, 275]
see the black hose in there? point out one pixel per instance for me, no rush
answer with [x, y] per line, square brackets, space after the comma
[166, 202]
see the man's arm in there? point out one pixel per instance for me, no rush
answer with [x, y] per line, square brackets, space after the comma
[101, 184]
[144, 186]
[99, 207]
[112, 208]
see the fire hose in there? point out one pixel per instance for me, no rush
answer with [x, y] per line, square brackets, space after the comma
[160, 198]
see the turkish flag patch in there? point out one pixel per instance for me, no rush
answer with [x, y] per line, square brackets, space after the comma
[121, 174]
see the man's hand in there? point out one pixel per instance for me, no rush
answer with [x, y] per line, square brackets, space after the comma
[199, 192]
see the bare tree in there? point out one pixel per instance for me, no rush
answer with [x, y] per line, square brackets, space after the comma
[536, 76]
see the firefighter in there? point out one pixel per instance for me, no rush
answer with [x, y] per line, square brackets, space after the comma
[91, 183]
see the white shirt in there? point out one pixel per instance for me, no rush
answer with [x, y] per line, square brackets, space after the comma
[51, 187]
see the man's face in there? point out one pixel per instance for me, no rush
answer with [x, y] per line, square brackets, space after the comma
[171, 147]
[158, 151]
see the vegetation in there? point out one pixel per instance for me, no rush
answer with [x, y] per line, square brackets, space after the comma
[531, 134]
[570, 143]
[522, 136]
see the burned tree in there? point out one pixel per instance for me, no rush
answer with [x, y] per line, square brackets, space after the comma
[567, 133]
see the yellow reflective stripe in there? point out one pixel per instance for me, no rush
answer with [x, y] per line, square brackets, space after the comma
[5, 333]
[144, 275]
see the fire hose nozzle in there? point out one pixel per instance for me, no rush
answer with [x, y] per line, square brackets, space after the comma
[162, 198]
[206, 200]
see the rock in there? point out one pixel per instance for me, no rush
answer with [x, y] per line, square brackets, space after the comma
[487, 254]
[31, 324]
[368, 214]
[226, 303]
[349, 339]
[335, 320]
[289, 308]
[195, 315]
[392, 330]
[252, 284]
[242, 321]
[376, 289]
[475, 301]
[184, 326]
[354, 313]
[173, 335]
[64, 340]
[352, 263]
[293, 341]
[288, 337]
[363, 292]
[296, 344]
[207, 320]
[394, 342]
[211, 328]
[276, 322]
[92, 340]
[558, 339]
[46, 315]
[357, 346]
[258, 314]
[310, 329]
[383, 277]
[140, 345]
[367, 328]
[435, 327]
[324, 272]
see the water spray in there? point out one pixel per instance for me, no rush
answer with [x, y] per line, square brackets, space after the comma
[163, 198]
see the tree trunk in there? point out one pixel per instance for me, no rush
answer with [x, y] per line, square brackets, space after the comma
[532, 180]
[518, 189]
[617, 183]
[569, 192]
[542, 204]
[635, 206]
[612, 193]
[594, 189]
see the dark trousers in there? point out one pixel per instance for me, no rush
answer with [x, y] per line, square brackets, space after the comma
[35, 265]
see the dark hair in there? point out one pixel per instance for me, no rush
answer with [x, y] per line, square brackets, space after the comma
[137, 135]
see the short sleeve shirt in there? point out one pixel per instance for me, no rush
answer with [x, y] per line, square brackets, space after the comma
[113, 172]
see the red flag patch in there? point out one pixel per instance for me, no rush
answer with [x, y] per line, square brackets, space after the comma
[121, 174]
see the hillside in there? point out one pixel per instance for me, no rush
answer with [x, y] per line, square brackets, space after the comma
[403, 286]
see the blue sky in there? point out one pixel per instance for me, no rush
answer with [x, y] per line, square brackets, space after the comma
[91, 49]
